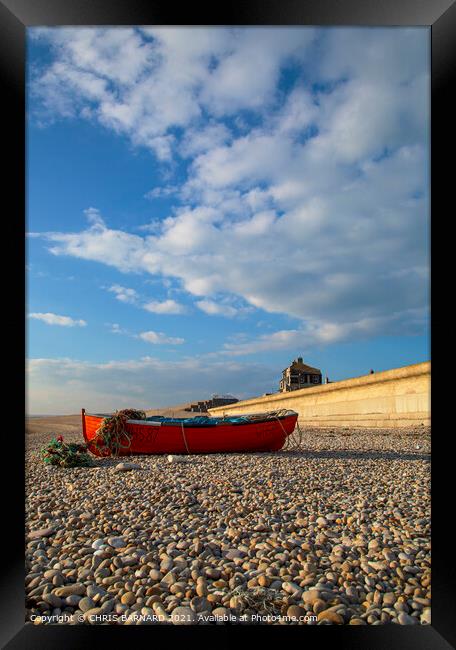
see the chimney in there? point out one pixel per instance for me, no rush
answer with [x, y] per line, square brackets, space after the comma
[299, 359]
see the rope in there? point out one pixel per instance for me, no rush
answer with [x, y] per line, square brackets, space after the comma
[286, 435]
[185, 439]
[298, 442]
[294, 438]
[111, 434]
[281, 426]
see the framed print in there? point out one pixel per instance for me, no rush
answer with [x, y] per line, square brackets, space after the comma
[227, 226]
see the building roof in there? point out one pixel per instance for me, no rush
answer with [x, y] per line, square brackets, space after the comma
[303, 366]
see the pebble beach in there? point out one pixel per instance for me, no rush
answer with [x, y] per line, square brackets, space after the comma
[335, 533]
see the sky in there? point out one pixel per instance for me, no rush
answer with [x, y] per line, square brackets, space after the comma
[204, 205]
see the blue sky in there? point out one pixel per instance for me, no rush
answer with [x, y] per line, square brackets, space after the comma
[206, 204]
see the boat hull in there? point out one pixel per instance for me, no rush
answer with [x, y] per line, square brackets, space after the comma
[157, 438]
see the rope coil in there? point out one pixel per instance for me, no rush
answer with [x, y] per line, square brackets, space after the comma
[112, 436]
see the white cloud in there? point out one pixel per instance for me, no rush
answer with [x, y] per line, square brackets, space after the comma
[199, 140]
[320, 333]
[216, 309]
[55, 319]
[161, 191]
[142, 83]
[355, 251]
[247, 76]
[124, 294]
[131, 296]
[115, 328]
[158, 338]
[381, 53]
[164, 307]
[246, 161]
[121, 250]
[318, 209]
[137, 83]
[299, 112]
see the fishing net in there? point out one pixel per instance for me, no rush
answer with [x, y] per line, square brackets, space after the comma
[256, 417]
[57, 452]
[293, 440]
[112, 436]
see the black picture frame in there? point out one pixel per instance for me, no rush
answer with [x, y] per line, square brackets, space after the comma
[15, 17]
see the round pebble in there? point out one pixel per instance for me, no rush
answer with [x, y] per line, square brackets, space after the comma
[183, 616]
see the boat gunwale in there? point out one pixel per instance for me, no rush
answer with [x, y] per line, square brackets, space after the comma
[288, 414]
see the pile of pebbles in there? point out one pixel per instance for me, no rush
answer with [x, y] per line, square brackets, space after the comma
[283, 538]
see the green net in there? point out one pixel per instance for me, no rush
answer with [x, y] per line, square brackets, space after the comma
[57, 452]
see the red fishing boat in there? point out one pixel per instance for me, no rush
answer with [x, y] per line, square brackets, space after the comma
[198, 435]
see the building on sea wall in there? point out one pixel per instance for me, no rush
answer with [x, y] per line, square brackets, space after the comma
[216, 400]
[299, 375]
[387, 399]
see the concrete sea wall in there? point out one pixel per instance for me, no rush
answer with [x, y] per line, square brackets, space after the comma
[390, 399]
